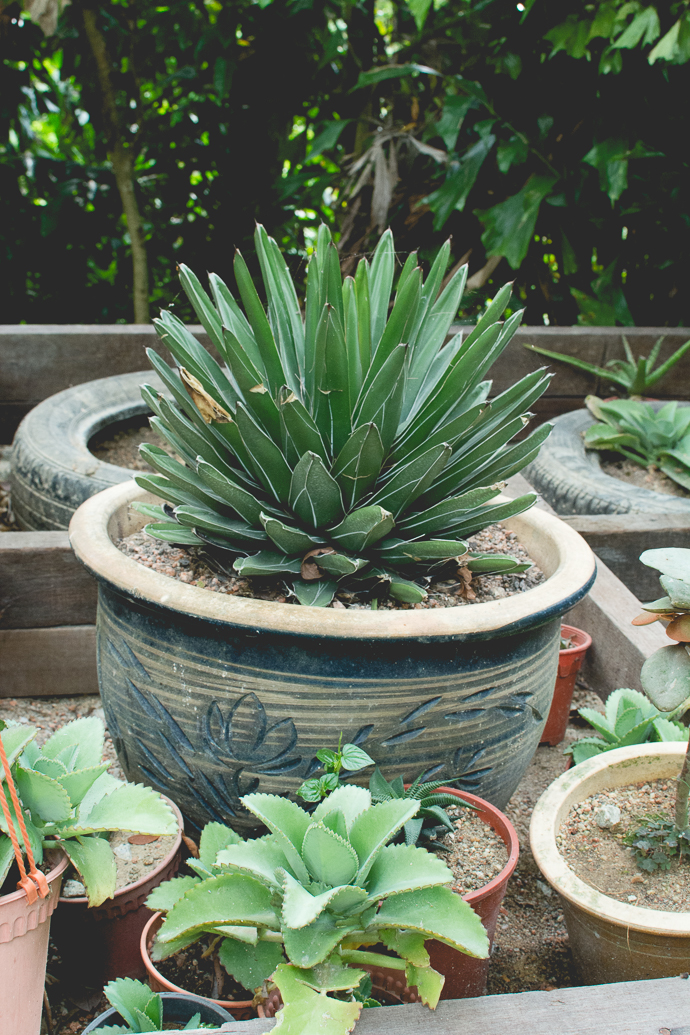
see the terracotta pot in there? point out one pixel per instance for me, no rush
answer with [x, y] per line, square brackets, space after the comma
[610, 940]
[209, 695]
[24, 931]
[242, 1009]
[101, 943]
[569, 664]
[388, 986]
[176, 1007]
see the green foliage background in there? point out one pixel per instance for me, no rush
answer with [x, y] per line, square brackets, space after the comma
[550, 135]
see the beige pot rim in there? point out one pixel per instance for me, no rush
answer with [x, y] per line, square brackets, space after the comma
[562, 553]
[617, 768]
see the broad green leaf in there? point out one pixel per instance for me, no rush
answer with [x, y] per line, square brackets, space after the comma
[45, 797]
[266, 459]
[164, 897]
[314, 495]
[289, 539]
[354, 758]
[439, 912]
[375, 827]
[399, 868]
[310, 945]
[308, 1011]
[250, 965]
[127, 996]
[361, 528]
[261, 858]
[267, 562]
[429, 983]
[15, 740]
[287, 821]
[339, 564]
[358, 463]
[348, 799]
[510, 224]
[331, 976]
[318, 593]
[87, 735]
[665, 677]
[79, 781]
[129, 806]
[93, 858]
[669, 560]
[407, 944]
[453, 193]
[329, 858]
[455, 107]
[232, 898]
[300, 908]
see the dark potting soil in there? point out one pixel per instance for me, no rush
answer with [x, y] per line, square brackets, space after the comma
[455, 588]
[601, 859]
[119, 443]
[188, 969]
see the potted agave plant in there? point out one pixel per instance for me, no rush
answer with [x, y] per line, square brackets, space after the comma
[296, 909]
[71, 802]
[611, 939]
[343, 450]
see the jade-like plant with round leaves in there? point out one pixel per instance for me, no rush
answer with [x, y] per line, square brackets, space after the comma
[349, 445]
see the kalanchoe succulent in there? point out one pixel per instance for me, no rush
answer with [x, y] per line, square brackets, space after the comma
[140, 1008]
[296, 905]
[346, 445]
[630, 718]
[648, 437]
[70, 800]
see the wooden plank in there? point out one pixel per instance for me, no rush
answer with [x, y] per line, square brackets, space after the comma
[47, 662]
[42, 583]
[619, 539]
[625, 1008]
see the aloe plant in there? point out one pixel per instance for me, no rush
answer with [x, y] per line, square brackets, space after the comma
[630, 718]
[350, 445]
[141, 1009]
[649, 438]
[636, 376]
[297, 905]
[70, 801]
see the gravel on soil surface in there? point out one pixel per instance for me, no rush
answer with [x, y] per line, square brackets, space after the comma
[644, 477]
[196, 567]
[122, 447]
[600, 858]
[476, 854]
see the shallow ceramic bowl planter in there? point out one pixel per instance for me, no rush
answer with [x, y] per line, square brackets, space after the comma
[24, 930]
[610, 940]
[100, 943]
[242, 1009]
[209, 696]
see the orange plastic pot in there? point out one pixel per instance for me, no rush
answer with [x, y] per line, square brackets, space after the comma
[100, 943]
[241, 1009]
[569, 664]
[24, 931]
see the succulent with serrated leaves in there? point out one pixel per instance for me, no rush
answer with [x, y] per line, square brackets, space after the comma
[630, 718]
[141, 1009]
[350, 444]
[296, 906]
[70, 801]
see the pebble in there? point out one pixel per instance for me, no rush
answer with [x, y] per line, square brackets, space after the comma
[123, 852]
[73, 889]
[607, 816]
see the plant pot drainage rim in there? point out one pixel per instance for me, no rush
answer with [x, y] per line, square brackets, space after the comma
[61, 863]
[573, 786]
[130, 888]
[565, 553]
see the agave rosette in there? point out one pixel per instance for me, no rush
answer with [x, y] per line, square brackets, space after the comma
[350, 444]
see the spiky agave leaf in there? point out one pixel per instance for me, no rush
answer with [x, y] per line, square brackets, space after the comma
[353, 437]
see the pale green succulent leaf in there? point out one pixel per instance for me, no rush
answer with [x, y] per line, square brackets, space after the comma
[164, 897]
[129, 806]
[308, 1011]
[214, 837]
[665, 677]
[79, 781]
[328, 857]
[45, 797]
[6, 856]
[374, 828]
[677, 590]
[93, 859]
[407, 944]
[362, 528]
[331, 976]
[439, 913]
[428, 982]
[162, 950]
[667, 730]
[307, 946]
[315, 496]
[232, 898]
[17, 740]
[669, 560]
[349, 799]
[250, 965]
[399, 868]
[86, 734]
[287, 821]
[261, 858]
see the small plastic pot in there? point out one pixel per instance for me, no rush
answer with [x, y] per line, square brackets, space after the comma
[100, 943]
[569, 664]
[242, 1009]
[465, 975]
[177, 1006]
[24, 931]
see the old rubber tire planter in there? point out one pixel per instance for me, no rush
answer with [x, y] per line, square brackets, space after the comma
[570, 477]
[208, 696]
[52, 470]
[610, 940]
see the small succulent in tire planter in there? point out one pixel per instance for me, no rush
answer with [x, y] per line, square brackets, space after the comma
[665, 679]
[660, 439]
[348, 447]
[636, 376]
[296, 905]
[71, 801]
[629, 718]
[140, 1008]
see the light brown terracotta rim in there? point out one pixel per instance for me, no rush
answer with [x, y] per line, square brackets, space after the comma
[51, 876]
[562, 553]
[147, 936]
[615, 768]
[127, 891]
[584, 638]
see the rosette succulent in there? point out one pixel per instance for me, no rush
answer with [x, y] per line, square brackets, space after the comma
[298, 905]
[348, 443]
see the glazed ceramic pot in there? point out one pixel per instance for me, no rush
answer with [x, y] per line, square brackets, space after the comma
[610, 940]
[24, 931]
[208, 696]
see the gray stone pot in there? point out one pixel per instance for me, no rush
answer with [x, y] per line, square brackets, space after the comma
[209, 696]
